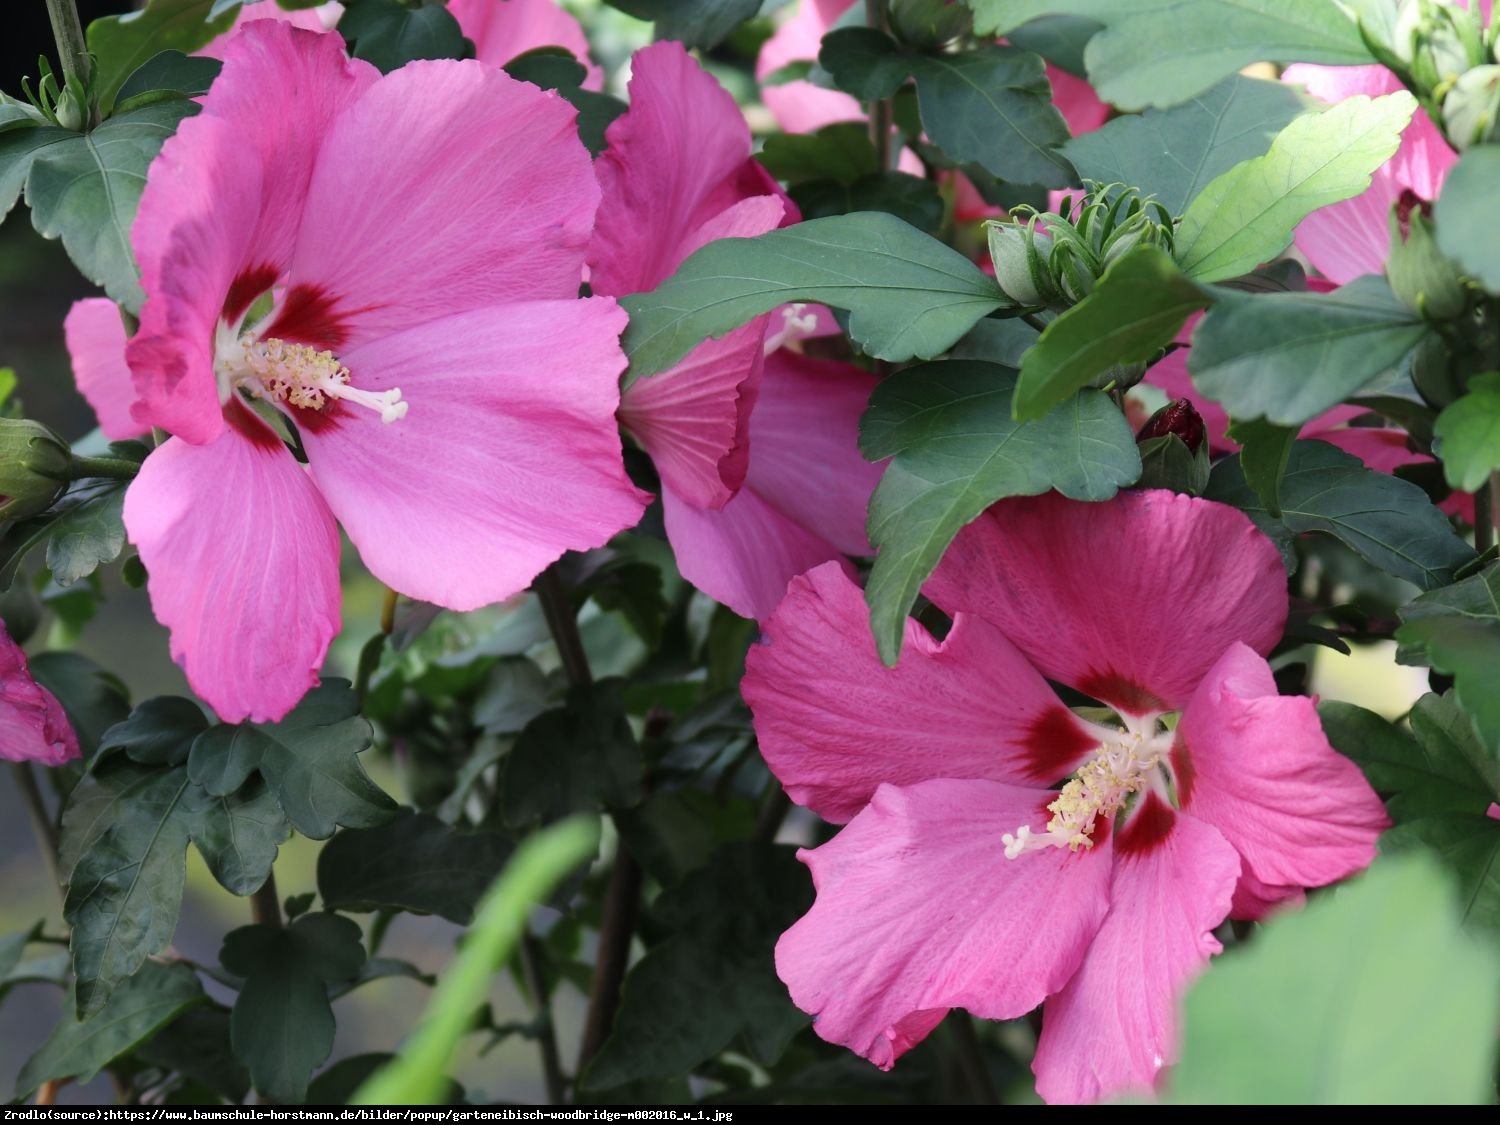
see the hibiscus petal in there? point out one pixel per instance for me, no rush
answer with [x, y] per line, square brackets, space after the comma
[1352, 238]
[243, 563]
[801, 107]
[1076, 101]
[918, 911]
[503, 29]
[834, 722]
[320, 18]
[1258, 767]
[1131, 601]
[1114, 1026]
[509, 454]
[33, 725]
[96, 345]
[448, 186]
[804, 437]
[1254, 901]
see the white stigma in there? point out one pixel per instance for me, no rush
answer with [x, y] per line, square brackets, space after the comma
[307, 378]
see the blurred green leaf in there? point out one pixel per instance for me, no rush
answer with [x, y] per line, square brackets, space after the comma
[390, 34]
[1456, 630]
[910, 198]
[697, 23]
[864, 62]
[1265, 449]
[841, 152]
[580, 757]
[196, 1045]
[1465, 215]
[1467, 434]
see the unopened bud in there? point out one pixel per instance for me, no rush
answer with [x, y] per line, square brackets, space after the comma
[70, 114]
[34, 464]
[929, 23]
[1420, 275]
[1019, 255]
[1180, 418]
[1471, 110]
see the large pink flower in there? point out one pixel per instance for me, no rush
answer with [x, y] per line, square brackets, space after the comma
[963, 877]
[33, 726]
[503, 29]
[389, 264]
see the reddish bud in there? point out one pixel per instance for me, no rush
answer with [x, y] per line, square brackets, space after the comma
[1408, 202]
[1180, 418]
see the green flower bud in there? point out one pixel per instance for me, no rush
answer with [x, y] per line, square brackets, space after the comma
[70, 114]
[34, 465]
[1020, 258]
[1419, 273]
[1472, 108]
[929, 23]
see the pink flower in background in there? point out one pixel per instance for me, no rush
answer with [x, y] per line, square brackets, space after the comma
[452, 395]
[33, 726]
[319, 18]
[503, 29]
[96, 344]
[963, 877]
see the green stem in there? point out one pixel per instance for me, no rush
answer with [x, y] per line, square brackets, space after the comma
[72, 47]
[531, 968]
[1486, 509]
[42, 823]
[772, 812]
[562, 622]
[115, 468]
[971, 1059]
[882, 111]
[622, 899]
[265, 904]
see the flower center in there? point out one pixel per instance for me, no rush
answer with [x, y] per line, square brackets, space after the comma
[1126, 763]
[305, 377]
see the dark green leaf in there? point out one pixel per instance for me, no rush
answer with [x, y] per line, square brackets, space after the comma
[697, 23]
[122, 44]
[238, 835]
[170, 74]
[1456, 630]
[85, 190]
[83, 530]
[1265, 449]
[910, 198]
[956, 450]
[1307, 1014]
[1134, 312]
[1389, 522]
[196, 1045]
[842, 153]
[19, 145]
[516, 692]
[1166, 462]
[282, 1026]
[673, 834]
[1172, 154]
[159, 732]
[581, 756]
[1288, 357]
[909, 295]
[94, 699]
[1247, 215]
[80, 1049]
[337, 1084]
[1467, 434]
[415, 863]
[390, 35]
[1468, 846]
[864, 62]
[1465, 215]
[561, 72]
[713, 980]
[13, 947]
[309, 759]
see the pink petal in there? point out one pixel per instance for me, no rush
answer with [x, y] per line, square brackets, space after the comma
[1381, 448]
[834, 723]
[448, 186]
[503, 29]
[804, 440]
[319, 19]
[801, 107]
[1076, 100]
[1114, 1026]
[1130, 601]
[681, 139]
[243, 559]
[692, 418]
[96, 345]
[509, 454]
[1257, 766]
[33, 725]
[1350, 239]
[919, 911]
[1335, 83]
[1255, 901]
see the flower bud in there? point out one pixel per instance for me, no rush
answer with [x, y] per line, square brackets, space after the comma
[1419, 274]
[1472, 108]
[1179, 417]
[1019, 255]
[929, 23]
[70, 114]
[33, 468]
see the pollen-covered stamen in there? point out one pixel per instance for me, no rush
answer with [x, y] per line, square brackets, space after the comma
[1125, 764]
[307, 378]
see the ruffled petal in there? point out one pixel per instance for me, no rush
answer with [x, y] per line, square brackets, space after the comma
[834, 723]
[509, 454]
[804, 440]
[1114, 1026]
[1130, 601]
[503, 29]
[243, 563]
[1258, 767]
[919, 911]
[96, 345]
[33, 725]
[448, 186]
[1255, 901]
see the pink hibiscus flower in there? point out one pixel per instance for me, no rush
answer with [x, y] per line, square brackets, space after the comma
[963, 877]
[320, 18]
[33, 726]
[452, 396]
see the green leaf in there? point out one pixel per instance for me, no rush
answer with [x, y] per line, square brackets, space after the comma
[1389, 522]
[1467, 434]
[582, 756]
[561, 72]
[1134, 312]
[993, 107]
[415, 863]
[1456, 631]
[713, 980]
[1265, 449]
[170, 74]
[19, 145]
[82, 531]
[196, 1045]
[909, 296]
[1468, 846]
[1161, 52]
[1312, 1012]
[85, 190]
[122, 44]
[238, 835]
[79, 1049]
[159, 732]
[1173, 154]
[841, 152]
[910, 198]
[390, 35]
[674, 833]
[864, 62]
[955, 450]
[1287, 357]
[1248, 214]
[697, 23]
[1465, 215]
[309, 759]
[95, 700]
[282, 1026]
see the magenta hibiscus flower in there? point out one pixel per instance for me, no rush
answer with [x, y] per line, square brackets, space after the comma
[965, 877]
[382, 271]
[33, 726]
